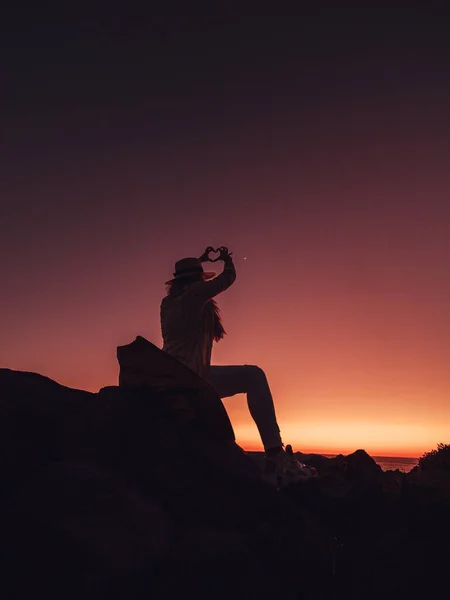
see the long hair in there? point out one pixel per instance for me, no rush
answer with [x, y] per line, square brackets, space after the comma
[219, 331]
[211, 309]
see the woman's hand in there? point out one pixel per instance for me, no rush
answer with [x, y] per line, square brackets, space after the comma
[205, 256]
[224, 254]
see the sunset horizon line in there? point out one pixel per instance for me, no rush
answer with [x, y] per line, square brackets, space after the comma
[373, 453]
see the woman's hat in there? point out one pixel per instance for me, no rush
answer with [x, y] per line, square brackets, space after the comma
[190, 266]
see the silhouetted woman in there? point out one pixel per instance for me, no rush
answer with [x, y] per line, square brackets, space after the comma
[191, 323]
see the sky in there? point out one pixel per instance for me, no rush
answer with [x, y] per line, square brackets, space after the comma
[316, 147]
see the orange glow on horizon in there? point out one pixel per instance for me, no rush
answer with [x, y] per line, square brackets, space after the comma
[310, 442]
[328, 431]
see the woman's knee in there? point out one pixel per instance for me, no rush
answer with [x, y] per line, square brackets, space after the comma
[256, 375]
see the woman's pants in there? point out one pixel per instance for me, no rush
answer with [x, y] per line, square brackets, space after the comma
[250, 380]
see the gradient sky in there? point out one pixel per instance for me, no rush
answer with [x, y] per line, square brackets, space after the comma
[317, 148]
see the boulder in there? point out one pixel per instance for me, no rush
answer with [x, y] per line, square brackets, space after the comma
[392, 482]
[144, 365]
[31, 410]
[124, 490]
[87, 523]
[359, 466]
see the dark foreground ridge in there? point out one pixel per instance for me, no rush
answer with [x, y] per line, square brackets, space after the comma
[125, 494]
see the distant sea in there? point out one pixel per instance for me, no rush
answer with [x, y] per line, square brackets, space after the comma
[387, 463]
[391, 463]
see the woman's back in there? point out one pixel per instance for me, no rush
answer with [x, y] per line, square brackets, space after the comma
[189, 319]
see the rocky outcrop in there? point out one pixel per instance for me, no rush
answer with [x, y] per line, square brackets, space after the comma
[32, 408]
[136, 492]
[142, 364]
[123, 493]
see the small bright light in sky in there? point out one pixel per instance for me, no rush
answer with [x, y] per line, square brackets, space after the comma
[245, 258]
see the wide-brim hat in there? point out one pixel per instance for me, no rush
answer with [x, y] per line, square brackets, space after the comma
[190, 266]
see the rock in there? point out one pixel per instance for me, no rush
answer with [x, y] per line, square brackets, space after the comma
[319, 462]
[359, 466]
[127, 493]
[31, 410]
[142, 436]
[112, 523]
[107, 481]
[72, 513]
[334, 485]
[392, 482]
[144, 365]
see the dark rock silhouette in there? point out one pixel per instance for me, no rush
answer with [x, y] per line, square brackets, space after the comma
[143, 364]
[32, 408]
[122, 490]
[139, 491]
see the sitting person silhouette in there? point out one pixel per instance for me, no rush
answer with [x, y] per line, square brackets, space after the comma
[190, 323]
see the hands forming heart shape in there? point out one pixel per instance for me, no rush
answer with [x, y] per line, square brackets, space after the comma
[218, 254]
